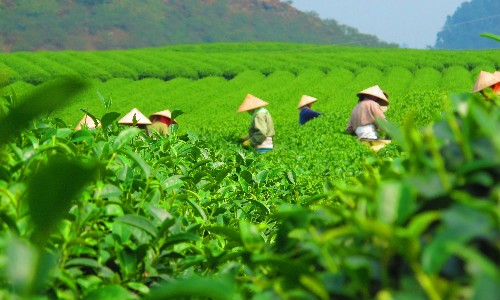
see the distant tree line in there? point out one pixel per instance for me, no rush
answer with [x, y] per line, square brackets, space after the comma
[462, 30]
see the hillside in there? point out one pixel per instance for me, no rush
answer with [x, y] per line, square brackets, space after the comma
[27, 25]
[462, 30]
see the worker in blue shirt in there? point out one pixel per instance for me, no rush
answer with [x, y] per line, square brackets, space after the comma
[306, 113]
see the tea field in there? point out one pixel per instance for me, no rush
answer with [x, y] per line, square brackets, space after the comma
[104, 213]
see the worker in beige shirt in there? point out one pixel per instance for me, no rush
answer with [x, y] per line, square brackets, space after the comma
[372, 104]
[261, 131]
[161, 122]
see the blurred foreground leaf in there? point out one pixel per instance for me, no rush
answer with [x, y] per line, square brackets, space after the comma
[491, 36]
[51, 190]
[194, 287]
[28, 269]
[43, 100]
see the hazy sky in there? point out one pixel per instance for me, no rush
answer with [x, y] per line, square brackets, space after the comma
[411, 22]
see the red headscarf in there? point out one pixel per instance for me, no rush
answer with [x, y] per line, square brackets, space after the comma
[163, 119]
[496, 88]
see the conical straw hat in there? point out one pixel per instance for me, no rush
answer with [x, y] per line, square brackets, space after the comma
[164, 113]
[128, 118]
[251, 102]
[306, 100]
[484, 80]
[497, 74]
[375, 91]
[87, 120]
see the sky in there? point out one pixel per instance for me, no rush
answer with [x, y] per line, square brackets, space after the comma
[409, 23]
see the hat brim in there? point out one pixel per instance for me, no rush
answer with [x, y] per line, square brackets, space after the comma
[251, 102]
[305, 101]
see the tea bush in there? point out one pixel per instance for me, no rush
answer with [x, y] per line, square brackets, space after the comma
[111, 212]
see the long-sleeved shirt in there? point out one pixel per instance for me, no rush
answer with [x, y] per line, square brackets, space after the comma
[261, 129]
[364, 113]
[159, 127]
[307, 114]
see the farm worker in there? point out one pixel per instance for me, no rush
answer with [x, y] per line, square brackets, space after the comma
[496, 88]
[85, 121]
[487, 80]
[372, 104]
[160, 122]
[261, 131]
[141, 120]
[306, 113]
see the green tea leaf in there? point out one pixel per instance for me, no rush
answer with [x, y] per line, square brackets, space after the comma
[230, 233]
[125, 137]
[196, 287]
[128, 260]
[261, 176]
[111, 292]
[139, 222]
[109, 118]
[9, 221]
[264, 208]
[222, 174]
[86, 262]
[82, 136]
[146, 169]
[137, 286]
[250, 235]
[247, 176]
[421, 222]
[292, 177]
[113, 210]
[198, 209]
[180, 238]
[200, 163]
[244, 184]
[315, 286]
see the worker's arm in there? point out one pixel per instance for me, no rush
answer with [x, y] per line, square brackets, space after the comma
[379, 115]
[349, 128]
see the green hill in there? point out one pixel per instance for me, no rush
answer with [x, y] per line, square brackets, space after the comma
[28, 25]
[462, 30]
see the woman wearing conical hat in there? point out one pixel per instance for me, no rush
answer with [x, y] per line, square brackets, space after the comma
[306, 113]
[86, 121]
[487, 80]
[140, 119]
[261, 131]
[372, 104]
[160, 122]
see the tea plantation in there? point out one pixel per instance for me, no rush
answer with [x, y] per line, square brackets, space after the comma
[111, 212]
